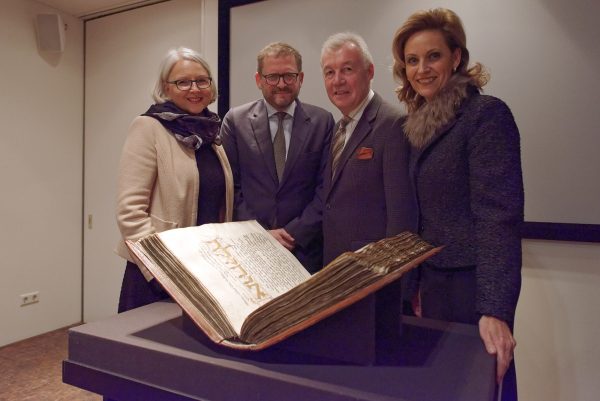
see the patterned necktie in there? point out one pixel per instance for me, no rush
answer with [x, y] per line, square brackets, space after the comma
[279, 146]
[339, 140]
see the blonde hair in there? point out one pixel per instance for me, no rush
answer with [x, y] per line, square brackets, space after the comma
[449, 24]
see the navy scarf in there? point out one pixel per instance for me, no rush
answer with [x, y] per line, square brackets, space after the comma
[192, 130]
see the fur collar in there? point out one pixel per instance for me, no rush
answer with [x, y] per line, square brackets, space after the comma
[422, 125]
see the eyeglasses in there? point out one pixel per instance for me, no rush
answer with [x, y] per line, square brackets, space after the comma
[288, 78]
[186, 84]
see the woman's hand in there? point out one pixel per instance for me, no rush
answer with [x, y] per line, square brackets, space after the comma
[499, 341]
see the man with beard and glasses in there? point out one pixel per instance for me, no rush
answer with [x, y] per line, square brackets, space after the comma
[278, 148]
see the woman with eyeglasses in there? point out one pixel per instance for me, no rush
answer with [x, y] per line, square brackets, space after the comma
[173, 171]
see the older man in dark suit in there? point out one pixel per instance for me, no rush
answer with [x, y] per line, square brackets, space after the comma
[367, 193]
[278, 148]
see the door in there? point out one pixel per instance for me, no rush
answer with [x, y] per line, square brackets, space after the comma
[122, 56]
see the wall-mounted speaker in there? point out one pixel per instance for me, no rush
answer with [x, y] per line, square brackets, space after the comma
[50, 32]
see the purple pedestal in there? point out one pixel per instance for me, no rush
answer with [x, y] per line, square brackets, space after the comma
[365, 333]
[144, 354]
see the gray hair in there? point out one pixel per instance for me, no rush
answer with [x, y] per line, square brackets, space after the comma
[338, 40]
[170, 59]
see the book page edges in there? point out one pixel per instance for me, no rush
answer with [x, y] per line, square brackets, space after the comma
[326, 312]
[174, 292]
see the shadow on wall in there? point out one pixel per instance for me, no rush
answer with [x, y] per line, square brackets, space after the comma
[579, 19]
[53, 59]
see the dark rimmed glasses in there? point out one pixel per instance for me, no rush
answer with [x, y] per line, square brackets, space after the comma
[288, 78]
[186, 84]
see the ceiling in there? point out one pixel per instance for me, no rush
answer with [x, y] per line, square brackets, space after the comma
[92, 8]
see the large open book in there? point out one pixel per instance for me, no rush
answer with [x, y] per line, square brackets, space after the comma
[246, 291]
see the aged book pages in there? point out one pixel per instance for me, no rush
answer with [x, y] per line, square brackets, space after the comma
[242, 264]
[245, 290]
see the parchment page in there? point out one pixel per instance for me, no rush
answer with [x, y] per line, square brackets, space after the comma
[241, 264]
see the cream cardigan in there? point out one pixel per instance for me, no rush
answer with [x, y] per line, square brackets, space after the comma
[158, 184]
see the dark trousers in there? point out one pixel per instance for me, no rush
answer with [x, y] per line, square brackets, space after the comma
[136, 291]
[449, 295]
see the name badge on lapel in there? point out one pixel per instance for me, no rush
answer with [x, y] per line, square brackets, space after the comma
[364, 153]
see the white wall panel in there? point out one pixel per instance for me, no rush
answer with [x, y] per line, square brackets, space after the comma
[557, 325]
[41, 109]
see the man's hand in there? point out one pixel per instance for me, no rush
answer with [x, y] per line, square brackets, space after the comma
[284, 238]
[416, 304]
[498, 340]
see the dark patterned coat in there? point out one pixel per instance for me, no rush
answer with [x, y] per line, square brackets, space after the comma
[469, 188]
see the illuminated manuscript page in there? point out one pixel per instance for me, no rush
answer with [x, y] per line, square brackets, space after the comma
[240, 263]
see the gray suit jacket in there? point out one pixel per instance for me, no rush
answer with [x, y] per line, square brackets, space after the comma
[294, 203]
[370, 196]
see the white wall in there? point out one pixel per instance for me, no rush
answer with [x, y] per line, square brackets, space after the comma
[41, 109]
[558, 324]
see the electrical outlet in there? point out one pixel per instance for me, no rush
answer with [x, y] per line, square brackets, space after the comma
[30, 298]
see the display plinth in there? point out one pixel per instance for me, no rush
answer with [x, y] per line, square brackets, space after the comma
[365, 333]
[144, 354]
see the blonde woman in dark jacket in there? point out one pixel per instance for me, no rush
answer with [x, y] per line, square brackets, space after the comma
[173, 170]
[466, 171]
